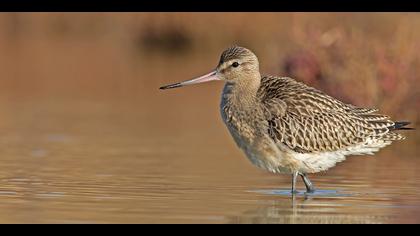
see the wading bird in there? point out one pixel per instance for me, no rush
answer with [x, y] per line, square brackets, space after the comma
[285, 126]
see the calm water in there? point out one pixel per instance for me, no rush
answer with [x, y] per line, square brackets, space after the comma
[128, 162]
[86, 136]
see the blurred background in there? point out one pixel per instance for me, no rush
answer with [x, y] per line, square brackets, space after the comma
[87, 136]
[367, 59]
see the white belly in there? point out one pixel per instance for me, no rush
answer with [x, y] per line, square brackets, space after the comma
[277, 158]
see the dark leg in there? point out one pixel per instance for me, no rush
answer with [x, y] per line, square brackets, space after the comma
[309, 186]
[294, 177]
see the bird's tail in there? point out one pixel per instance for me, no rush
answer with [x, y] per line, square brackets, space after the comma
[400, 125]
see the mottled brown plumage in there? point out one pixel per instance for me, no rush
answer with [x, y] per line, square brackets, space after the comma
[307, 120]
[285, 126]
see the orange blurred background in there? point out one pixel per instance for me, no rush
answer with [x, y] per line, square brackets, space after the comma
[87, 136]
[369, 59]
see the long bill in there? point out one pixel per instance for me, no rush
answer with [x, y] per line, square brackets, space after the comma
[205, 78]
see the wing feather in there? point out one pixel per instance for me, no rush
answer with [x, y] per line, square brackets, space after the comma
[307, 120]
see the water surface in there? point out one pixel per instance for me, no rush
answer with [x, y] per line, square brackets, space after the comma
[86, 136]
[126, 162]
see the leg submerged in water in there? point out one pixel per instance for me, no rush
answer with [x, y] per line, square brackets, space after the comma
[294, 178]
[309, 186]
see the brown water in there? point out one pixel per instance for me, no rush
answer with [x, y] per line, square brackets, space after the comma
[119, 162]
[87, 137]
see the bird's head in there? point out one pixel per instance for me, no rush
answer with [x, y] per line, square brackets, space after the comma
[235, 64]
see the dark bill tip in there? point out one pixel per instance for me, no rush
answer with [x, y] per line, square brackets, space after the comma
[176, 85]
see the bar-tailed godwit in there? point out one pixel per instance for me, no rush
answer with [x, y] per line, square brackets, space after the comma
[285, 126]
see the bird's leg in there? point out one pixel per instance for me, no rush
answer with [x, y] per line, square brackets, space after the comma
[309, 186]
[294, 177]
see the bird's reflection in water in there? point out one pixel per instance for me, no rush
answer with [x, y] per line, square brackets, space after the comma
[303, 209]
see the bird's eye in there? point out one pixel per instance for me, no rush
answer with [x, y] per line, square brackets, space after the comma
[235, 64]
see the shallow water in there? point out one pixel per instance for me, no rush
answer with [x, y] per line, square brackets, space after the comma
[87, 137]
[112, 162]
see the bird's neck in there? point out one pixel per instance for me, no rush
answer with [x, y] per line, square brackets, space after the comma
[243, 93]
